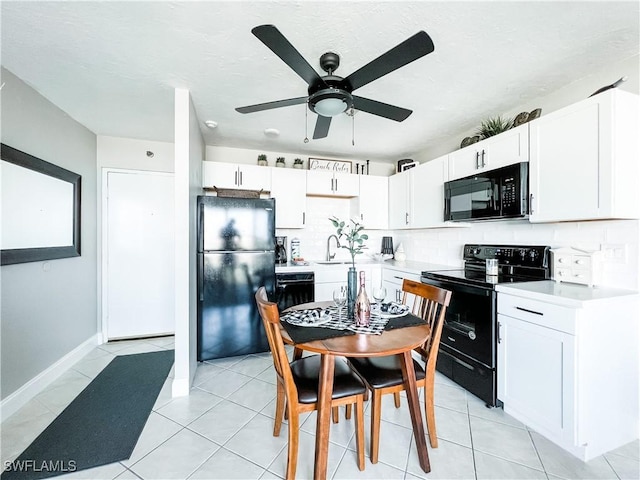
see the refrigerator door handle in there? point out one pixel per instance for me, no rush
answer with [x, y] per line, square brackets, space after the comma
[200, 277]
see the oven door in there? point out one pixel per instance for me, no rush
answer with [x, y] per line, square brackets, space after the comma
[469, 325]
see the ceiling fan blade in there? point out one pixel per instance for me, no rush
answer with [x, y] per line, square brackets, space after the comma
[322, 127]
[381, 109]
[406, 52]
[269, 105]
[278, 44]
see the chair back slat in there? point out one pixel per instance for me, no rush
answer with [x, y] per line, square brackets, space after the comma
[271, 320]
[430, 303]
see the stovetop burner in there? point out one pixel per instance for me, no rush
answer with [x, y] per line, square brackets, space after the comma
[515, 264]
[477, 277]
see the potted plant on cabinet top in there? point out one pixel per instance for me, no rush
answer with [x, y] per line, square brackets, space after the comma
[262, 160]
[493, 126]
[280, 162]
[297, 163]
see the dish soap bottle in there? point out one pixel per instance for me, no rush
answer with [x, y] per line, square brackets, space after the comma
[363, 305]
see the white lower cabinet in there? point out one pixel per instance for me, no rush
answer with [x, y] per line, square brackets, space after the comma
[392, 280]
[571, 372]
[330, 277]
[540, 390]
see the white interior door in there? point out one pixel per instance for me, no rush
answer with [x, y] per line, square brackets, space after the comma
[138, 268]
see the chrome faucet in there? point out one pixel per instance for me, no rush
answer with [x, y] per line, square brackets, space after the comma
[329, 255]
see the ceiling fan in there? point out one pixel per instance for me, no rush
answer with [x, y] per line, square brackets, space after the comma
[331, 95]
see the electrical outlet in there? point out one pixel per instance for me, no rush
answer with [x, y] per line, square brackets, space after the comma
[614, 252]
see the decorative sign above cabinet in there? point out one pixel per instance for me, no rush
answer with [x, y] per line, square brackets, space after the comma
[340, 166]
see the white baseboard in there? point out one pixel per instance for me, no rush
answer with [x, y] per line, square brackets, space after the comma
[180, 387]
[33, 387]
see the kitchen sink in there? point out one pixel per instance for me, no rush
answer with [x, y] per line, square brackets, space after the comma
[332, 262]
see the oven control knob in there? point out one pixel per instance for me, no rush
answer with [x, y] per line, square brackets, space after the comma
[533, 255]
[472, 335]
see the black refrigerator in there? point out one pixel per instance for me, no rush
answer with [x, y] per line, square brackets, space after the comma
[236, 256]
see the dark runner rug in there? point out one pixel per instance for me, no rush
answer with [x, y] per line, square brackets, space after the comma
[102, 424]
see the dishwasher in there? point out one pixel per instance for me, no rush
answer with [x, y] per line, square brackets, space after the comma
[294, 289]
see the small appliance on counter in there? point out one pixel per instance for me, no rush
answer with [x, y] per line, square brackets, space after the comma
[281, 250]
[387, 246]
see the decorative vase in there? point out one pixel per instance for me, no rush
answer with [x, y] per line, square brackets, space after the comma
[352, 291]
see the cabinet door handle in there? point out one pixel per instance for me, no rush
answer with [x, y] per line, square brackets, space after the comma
[477, 160]
[529, 311]
[483, 164]
[361, 216]
[332, 189]
[240, 177]
[499, 337]
[531, 203]
[406, 218]
[303, 218]
[235, 181]
[336, 184]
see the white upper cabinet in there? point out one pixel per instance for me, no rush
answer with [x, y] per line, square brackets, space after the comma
[372, 205]
[399, 199]
[494, 152]
[427, 193]
[289, 188]
[232, 175]
[324, 183]
[584, 160]
[416, 196]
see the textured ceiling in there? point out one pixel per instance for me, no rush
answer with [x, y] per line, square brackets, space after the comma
[113, 66]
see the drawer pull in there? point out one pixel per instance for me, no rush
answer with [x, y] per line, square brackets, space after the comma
[451, 339]
[530, 311]
[464, 364]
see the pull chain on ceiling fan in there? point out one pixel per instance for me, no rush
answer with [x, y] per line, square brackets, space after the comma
[332, 95]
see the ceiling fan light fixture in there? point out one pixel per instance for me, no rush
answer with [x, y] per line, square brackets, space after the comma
[330, 102]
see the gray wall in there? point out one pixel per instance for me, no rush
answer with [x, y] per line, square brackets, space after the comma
[48, 308]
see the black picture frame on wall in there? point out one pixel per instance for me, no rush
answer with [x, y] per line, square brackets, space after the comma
[67, 210]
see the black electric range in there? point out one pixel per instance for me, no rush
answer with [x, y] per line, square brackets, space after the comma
[468, 345]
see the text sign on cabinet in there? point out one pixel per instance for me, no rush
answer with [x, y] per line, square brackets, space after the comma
[340, 166]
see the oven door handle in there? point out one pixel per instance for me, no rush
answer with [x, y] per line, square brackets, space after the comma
[453, 285]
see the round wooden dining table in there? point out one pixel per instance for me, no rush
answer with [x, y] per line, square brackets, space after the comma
[390, 342]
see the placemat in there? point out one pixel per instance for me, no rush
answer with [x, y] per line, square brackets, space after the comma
[340, 326]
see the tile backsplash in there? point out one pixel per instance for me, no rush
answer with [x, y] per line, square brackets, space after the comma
[620, 239]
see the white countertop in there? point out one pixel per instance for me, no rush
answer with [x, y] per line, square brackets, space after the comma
[409, 266]
[566, 294]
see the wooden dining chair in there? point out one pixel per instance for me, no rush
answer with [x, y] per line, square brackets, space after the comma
[297, 383]
[383, 375]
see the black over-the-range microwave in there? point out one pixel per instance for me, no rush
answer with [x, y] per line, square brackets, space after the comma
[490, 195]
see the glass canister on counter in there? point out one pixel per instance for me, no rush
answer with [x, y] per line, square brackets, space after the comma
[295, 249]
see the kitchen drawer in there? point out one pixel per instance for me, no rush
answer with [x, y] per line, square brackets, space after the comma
[575, 275]
[545, 314]
[396, 276]
[580, 261]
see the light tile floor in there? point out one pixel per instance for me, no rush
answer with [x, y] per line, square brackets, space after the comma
[223, 430]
